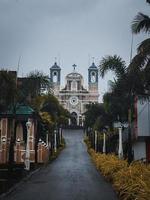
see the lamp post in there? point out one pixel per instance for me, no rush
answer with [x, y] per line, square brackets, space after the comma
[27, 154]
[47, 138]
[120, 149]
[18, 150]
[130, 158]
[40, 151]
[95, 141]
[104, 141]
[69, 121]
[4, 140]
[55, 141]
[60, 134]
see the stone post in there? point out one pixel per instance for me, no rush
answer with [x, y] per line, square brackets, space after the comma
[104, 142]
[96, 141]
[55, 141]
[120, 149]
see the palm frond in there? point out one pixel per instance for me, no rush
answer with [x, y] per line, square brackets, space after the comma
[140, 23]
[148, 1]
[142, 57]
[112, 85]
[144, 47]
[137, 62]
[112, 63]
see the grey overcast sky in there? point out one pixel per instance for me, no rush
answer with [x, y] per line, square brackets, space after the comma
[74, 31]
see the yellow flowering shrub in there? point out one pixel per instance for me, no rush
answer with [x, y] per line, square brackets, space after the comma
[132, 182]
[107, 164]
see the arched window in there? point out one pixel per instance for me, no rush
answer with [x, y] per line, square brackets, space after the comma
[74, 85]
[93, 77]
[55, 77]
[19, 132]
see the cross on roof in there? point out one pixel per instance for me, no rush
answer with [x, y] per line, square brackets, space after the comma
[74, 67]
[93, 59]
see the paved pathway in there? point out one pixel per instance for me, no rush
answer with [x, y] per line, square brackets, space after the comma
[72, 176]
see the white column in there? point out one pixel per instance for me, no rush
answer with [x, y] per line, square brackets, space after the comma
[47, 139]
[55, 142]
[120, 149]
[96, 141]
[69, 121]
[78, 120]
[27, 154]
[60, 135]
[104, 142]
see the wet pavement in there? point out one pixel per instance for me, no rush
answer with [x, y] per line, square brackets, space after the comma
[72, 176]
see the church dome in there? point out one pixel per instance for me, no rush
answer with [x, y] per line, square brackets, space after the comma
[55, 66]
[93, 66]
[74, 75]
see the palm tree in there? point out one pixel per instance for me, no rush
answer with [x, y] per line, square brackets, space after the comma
[113, 63]
[141, 23]
[128, 83]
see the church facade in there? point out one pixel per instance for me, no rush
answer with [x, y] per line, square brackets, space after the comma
[73, 96]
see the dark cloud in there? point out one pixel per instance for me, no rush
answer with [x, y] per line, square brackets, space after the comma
[40, 30]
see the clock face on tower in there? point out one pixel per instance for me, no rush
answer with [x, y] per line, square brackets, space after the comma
[74, 100]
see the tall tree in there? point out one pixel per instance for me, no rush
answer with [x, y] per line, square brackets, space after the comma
[128, 82]
[41, 81]
[113, 63]
[8, 91]
[141, 23]
[33, 85]
[96, 117]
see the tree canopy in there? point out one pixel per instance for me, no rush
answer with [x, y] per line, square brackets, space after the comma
[8, 89]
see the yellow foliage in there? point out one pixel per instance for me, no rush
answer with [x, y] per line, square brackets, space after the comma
[132, 182]
[46, 118]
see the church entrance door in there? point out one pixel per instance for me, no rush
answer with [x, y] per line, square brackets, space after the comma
[74, 117]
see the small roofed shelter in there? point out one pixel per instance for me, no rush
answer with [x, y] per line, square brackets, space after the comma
[13, 134]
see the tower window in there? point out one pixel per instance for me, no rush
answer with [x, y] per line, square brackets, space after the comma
[74, 85]
[55, 77]
[93, 77]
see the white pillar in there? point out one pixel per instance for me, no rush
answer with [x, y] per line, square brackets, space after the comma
[27, 154]
[104, 142]
[78, 120]
[120, 149]
[55, 142]
[96, 141]
[82, 122]
[60, 135]
[47, 139]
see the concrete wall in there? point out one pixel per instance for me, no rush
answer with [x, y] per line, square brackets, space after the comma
[143, 117]
[139, 150]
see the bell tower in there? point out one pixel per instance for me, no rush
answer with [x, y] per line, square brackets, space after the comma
[55, 76]
[93, 78]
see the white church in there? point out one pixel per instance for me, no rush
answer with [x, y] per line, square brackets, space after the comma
[74, 97]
